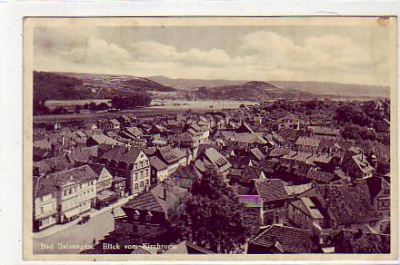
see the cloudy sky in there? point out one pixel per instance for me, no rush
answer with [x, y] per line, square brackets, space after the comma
[345, 54]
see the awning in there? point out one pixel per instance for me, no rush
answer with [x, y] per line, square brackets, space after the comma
[71, 213]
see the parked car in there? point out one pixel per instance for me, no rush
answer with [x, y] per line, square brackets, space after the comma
[84, 219]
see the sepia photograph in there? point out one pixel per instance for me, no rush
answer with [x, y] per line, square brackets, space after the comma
[210, 137]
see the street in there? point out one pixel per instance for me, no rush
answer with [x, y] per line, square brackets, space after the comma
[76, 238]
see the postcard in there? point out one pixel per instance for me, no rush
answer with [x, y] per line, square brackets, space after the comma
[210, 138]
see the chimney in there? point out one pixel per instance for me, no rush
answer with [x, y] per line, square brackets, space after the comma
[164, 193]
[358, 234]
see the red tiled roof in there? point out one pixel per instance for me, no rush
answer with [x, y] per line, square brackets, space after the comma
[320, 176]
[122, 154]
[257, 153]
[56, 163]
[185, 176]
[279, 152]
[309, 141]
[251, 173]
[83, 154]
[170, 155]
[157, 163]
[154, 200]
[290, 239]
[45, 185]
[271, 190]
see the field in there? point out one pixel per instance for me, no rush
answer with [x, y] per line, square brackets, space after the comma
[68, 103]
[201, 104]
[157, 108]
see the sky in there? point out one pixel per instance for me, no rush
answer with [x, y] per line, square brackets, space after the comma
[356, 54]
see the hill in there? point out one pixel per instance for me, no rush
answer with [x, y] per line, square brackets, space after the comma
[56, 86]
[335, 89]
[181, 83]
[65, 86]
[254, 90]
[329, 89]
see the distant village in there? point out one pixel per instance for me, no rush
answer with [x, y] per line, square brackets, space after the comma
[306, 179]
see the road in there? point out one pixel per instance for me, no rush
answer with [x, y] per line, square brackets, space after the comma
[76, 238]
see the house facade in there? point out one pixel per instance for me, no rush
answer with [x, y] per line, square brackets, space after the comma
[130, 163]
[288, 122]
[44, 204]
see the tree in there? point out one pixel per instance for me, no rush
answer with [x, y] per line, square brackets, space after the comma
[211, 217]
[78, 108]
[102, 106]
[92, 106]
[351, 131]
[352, 113]
[134, 99]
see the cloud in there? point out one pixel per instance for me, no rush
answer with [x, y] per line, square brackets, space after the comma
[259, 55]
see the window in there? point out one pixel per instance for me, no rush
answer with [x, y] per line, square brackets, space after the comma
[385, 203]
[141, 174]
[141, 184]
[147, 182]
[70, 191]
[136, 186]
[136, 176]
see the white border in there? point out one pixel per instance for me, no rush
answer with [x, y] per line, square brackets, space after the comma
[11, 15]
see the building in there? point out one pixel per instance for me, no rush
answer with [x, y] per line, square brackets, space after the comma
[274, 197]
[105, 195]
[252, 212]
[323, 132]
[288, 122]
[307, 144]
[147, 214]
[304, 213]
[115, 124]
[184, 177]
[158, 170]
[343, 207]
[281, 240]
[211, 157]
[379, 189]
[199, 132]
[75, 191]
[172, 157]
[44, 203]
[102, 139]
[132, 133]
[358, 167]
[130, 163]
[118, 186]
